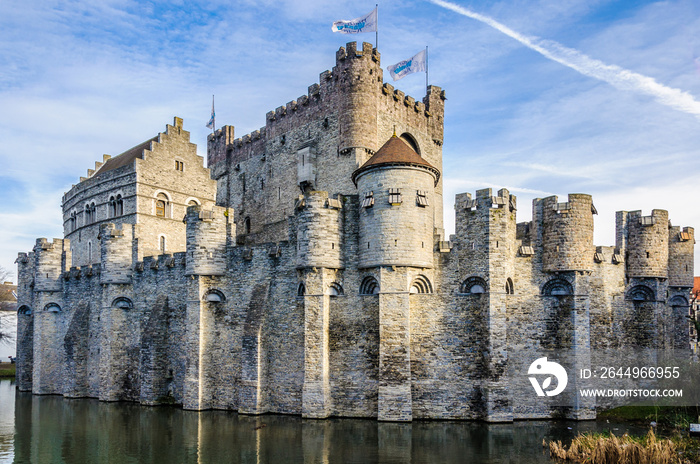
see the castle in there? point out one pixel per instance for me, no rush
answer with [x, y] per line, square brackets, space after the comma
[311, 274]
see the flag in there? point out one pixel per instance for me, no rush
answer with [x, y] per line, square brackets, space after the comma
[410, 66]
[366, 23]
[212, 121]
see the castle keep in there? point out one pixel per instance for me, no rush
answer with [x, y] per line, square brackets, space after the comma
[306, 271]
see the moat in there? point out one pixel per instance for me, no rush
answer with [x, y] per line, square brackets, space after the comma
[52, 429]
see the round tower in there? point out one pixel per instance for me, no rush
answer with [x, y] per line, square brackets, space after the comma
[647, 244]
[397, 196]
[567, 233]
[359, 77]
[318, 231]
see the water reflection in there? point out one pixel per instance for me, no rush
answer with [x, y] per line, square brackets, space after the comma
[51, 429]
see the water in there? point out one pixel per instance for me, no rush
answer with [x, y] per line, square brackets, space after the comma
[51, 429]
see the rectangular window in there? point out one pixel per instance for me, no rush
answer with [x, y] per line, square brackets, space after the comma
[395, 196]
[422, 198]
[179, 166]
[368, 201]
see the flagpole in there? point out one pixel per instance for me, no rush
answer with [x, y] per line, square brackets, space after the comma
[426, 70]
[376, 31]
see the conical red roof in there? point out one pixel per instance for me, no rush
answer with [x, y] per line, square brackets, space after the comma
[395, 152]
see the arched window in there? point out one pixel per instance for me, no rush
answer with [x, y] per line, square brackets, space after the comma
[246, 225]
[93, 216]
[192, 202]
[640, 293]
[112, 207]
[335, 289]
[214, 296]
[24, 310]
[301, 289]
[421, 284]
[557, 287]
[161, 244]
[119, 208]
[678, 300]
[162, 205]
[510, 290]
[369, 286]
[52, 308]
[71, 222]
[473, 285]
[87, 215]
[122, 303]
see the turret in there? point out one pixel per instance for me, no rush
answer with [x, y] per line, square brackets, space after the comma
[485, 230]
[115, 253]
[318, 231]
[396, 188]
[50, 263]
[681, 247]
[209, 232]
[566, 232]
[359, 75]
[645, 240]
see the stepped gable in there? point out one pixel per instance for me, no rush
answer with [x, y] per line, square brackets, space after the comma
[395, 152]
[127, 157]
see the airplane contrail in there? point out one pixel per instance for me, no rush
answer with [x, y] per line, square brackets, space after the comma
[615, 75]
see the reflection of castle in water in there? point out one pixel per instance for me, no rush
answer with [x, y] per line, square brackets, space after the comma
[311, 275]
[90, 431]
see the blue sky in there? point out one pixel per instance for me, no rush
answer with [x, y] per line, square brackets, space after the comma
[560, 96]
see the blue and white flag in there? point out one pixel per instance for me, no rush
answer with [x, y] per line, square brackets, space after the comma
[406, 67]
[212, 121]
[366, 23]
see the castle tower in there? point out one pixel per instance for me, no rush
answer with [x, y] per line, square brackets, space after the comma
[119, 324]
[485, 229]
[209, 233]
[49, 315]
[396, 233]
[563, 234]
[319, 239]
[396, 188]
[360, 76]
[25, 321]
[681, 243]
[645, 240]
[566, 232]
[318, 231]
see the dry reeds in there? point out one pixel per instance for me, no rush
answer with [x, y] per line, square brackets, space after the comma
[598, 449]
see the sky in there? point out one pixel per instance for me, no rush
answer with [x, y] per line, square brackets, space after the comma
[544, 97]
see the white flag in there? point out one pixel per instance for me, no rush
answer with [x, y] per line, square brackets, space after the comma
[212, 121]
[367, 23]
[405, 67]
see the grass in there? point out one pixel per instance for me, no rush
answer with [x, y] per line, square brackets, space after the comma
[606, 448]
[666, 417]
[7, 370]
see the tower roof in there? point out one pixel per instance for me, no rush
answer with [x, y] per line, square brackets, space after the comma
[395, 152]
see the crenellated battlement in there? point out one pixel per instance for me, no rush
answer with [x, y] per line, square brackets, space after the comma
[356, 70]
